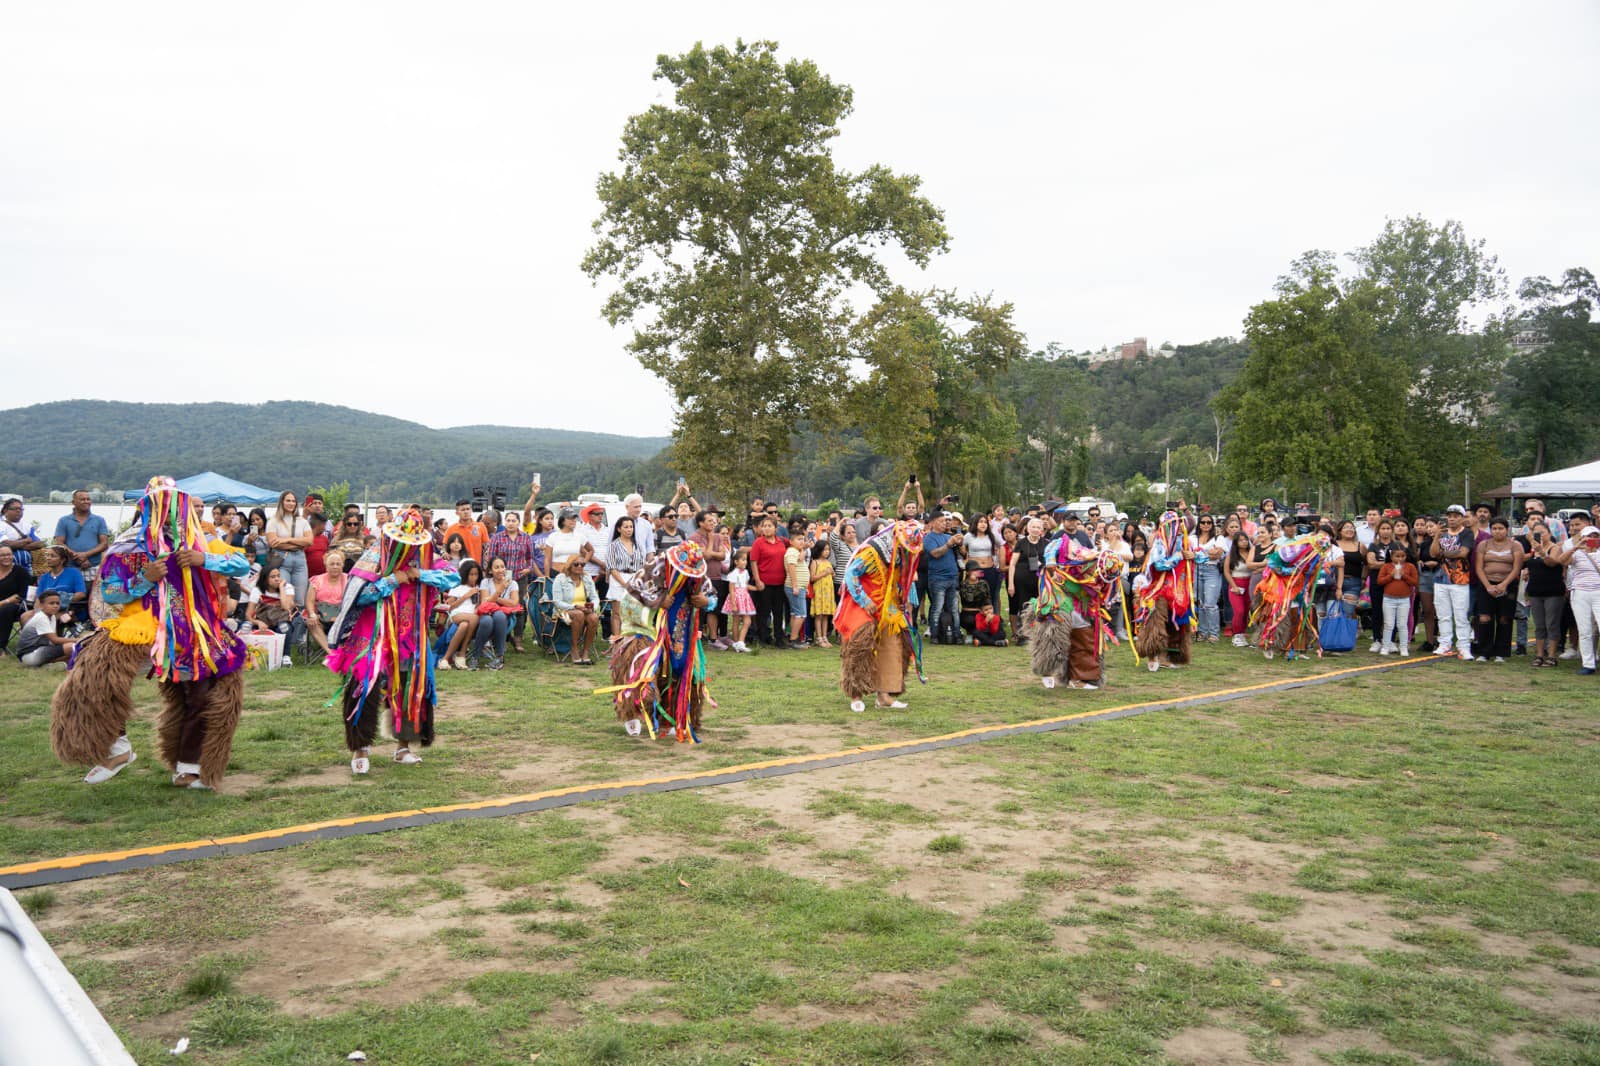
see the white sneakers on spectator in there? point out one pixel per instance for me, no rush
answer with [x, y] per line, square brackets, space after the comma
[1444, 649]
[1386, 649]
[1570, 653]
[740, 645]
[1377, 646]
[1240, 640]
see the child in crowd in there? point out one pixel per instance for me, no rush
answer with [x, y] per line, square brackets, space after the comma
[797, 583]
[1398, 579]
[822, 597]
[740, 607]
[974, 594]
[986, 628]
[39, 643]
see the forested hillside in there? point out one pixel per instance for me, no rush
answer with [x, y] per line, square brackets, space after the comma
[293, 445]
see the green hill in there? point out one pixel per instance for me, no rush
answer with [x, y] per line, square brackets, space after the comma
[292, 444]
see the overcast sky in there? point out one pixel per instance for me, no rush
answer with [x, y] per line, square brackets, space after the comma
[385, 204]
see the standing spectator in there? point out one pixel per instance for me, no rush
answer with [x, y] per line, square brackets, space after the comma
[624, 558]
[455, 551]
[289, 534]
[1453, 547]
[766, 583]
[1022, 579]
[539, 529]
[1546, 589]
[592, 528]
[874, 508]
[1378, 551]
[13, 595]
[317, 549]
[669, 535]
[644, 534]
[1070, 527]
[1534, 508]
[562, 544]
[797, 582]
[823, 601]
[255, 537]
[1580, 554]
[842, 544]
[1241, 553]
[979, 547]
[516, 548]
[1209, 555]
[1243, 513]
[715, 547]
[1352, 557]
[1420, 552]
[1398, 580]
[472, 533]
[22, 542]
[1498, 564]
[314, 504]
[944, 580]
[85, 536]
[1367, 528]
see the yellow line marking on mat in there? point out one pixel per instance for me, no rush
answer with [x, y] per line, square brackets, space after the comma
[70, 861]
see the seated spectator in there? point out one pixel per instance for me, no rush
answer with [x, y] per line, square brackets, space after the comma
[40, 643]
[22, 541]
[462, 603]
[13, 596]
[54, 573]
[273, 608]
[325, 598]
[575, 598]
[986, 628]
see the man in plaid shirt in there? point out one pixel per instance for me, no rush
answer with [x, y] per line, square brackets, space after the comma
[516, 548]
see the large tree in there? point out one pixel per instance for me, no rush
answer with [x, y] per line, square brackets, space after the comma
[1316, 402]
[1551, 392]
[928, 399]
[734, 240]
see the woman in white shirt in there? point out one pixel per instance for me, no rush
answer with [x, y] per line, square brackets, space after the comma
[289, 535]
[563, 544]
[463, 604]
[624, 557]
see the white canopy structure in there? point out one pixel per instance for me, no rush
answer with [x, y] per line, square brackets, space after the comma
[1573, 481]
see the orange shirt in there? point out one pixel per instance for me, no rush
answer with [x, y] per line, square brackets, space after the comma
[472, 535]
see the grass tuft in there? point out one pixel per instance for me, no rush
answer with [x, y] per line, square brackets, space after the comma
[947, 844]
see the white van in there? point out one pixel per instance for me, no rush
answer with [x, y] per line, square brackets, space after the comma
[1080, 507]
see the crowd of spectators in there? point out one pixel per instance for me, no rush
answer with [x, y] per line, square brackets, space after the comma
[1468, 582]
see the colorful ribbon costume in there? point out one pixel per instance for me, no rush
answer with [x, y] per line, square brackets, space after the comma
[659, 674]
[873, 616]
[1165, 611]
[379, 641]
[1069, 623]
[1283, 600]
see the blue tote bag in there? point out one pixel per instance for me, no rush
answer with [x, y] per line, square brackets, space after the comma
[1338, 632]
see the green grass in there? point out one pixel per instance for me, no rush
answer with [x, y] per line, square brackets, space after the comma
[1376, 871]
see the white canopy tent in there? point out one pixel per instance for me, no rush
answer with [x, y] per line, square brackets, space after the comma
[1573, 481]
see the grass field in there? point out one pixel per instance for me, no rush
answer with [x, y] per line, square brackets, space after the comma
[1391, 868]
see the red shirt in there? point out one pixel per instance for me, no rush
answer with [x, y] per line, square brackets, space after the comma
[991, 626]
[766, 559]
[316, 552]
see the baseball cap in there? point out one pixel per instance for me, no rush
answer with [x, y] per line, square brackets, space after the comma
[1455, 508]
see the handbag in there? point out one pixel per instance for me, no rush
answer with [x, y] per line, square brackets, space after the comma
[1338, 629]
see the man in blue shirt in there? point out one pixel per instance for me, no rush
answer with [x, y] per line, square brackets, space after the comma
[84, 533]
[944, 580]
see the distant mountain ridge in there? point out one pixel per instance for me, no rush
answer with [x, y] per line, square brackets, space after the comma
[283, 443]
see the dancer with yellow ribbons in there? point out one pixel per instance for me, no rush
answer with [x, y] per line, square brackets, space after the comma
[878, 638]
[659, 664]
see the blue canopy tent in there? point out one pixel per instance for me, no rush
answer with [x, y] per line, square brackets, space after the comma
[212, 487]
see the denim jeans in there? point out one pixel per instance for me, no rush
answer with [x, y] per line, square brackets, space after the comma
[293, 572]
[1208, 586]
[491, 626]
[943, 601]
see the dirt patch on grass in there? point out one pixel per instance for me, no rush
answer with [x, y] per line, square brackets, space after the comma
[1209, 1045]
[273, 695]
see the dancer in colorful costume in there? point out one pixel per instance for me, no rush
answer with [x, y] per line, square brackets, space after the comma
[379, 641]
[658, 666]
[878, 638]
[159, 573]
[1283, 601]
[1165, 613]
[1069, 623]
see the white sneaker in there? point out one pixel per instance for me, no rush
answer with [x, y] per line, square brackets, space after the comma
[407, 757]
[1049, 682]
[858, 705]
[740, 646]
[1376, 645]
[1444, 649]
[1405, 652]
[633, 727]
[442, 664]
[1499, 658]
[1570, 653]
[1466, 655]
[360, 764]
[1154, 666]
[895, 705]
[1385, 651]
[1239, 641]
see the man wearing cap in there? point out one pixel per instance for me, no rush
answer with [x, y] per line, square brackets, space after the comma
[597, 537]
[1073, 529]
[1452, 546]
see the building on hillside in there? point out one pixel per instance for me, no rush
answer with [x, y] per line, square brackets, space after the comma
[1135, 348]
